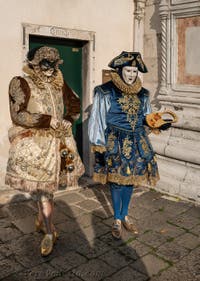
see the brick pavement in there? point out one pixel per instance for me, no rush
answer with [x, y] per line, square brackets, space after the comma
[167, 247]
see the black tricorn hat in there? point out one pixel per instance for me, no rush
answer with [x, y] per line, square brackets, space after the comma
[128, 59]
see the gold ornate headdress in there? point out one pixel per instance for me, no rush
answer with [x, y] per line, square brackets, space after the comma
[48, 53]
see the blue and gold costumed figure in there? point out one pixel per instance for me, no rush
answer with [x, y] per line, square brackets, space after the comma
[124, 157]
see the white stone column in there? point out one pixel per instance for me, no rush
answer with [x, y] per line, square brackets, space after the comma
[138, 37]
[164, 15]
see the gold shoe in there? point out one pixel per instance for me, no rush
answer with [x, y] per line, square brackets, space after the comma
[39, 226]
[48, 243]
[117, 229]
[130, 227]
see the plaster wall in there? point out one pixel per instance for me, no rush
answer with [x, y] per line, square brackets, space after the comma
[111, 20]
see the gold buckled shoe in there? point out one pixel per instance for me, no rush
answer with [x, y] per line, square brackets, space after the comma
[130, 227]
[48, 243]
[117, 229]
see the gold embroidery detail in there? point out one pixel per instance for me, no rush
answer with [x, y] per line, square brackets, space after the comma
[145, 179]
[111, 141]
[130, 105]
[109, 162]
[127, 148]
[145, 146]
[58, 133]
[127, 89]
[123, 60]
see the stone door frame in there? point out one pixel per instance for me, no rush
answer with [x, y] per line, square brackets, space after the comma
[170, 12]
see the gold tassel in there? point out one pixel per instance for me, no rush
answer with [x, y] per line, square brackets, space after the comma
[128, 171]
[109, 162]
[149, 167]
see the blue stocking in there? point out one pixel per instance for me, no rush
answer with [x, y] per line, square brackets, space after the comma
[126, 198]
[116, 194]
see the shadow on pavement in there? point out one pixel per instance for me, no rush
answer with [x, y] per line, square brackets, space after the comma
[85, 249]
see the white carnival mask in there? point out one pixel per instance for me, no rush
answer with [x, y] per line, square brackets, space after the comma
[129, 74]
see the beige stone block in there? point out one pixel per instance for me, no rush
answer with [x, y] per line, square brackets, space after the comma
[179, 178]
[183, 149]
[173, 169]
[159, 142]
[185, 134]
[190, 191]
[165, 185]
[193, 174]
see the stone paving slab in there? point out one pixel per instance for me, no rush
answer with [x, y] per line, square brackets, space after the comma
[187, 269]
[184, 221]
[115, 259]
[167, 247]
[68, 261]
[170, 230]
[93, 270]
[89, 205]
[172, 251]
[9, 267]
[92, 233]
[195, 230]
[153, 239]
[128, 274]
[150, 264]
[188, 241]
[25, 225]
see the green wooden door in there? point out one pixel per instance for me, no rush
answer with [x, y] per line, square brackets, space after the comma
[71, 54]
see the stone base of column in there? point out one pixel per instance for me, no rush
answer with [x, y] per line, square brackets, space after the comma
[179, 163]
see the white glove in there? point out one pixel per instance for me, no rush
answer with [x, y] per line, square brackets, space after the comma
[55, 123]
[66, 124]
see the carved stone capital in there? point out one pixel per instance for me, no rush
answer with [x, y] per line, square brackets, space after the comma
[139, 9]
[164, 8]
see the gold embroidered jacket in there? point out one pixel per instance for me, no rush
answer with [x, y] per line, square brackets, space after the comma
[34, 157]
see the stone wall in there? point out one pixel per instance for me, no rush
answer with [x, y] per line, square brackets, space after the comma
[110, 20]
[174, 79]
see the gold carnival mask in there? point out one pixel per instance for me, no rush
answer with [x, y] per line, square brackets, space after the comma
[156, 119]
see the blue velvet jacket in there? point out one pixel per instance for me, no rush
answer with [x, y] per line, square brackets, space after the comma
[107, 111]
[116, 127]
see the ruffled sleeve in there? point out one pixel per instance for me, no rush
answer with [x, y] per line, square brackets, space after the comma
[147, 106]
[97, 121]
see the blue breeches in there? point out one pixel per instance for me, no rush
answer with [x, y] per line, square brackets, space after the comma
[121, 197]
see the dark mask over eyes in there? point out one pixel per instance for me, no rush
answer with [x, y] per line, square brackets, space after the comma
[46, 64]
